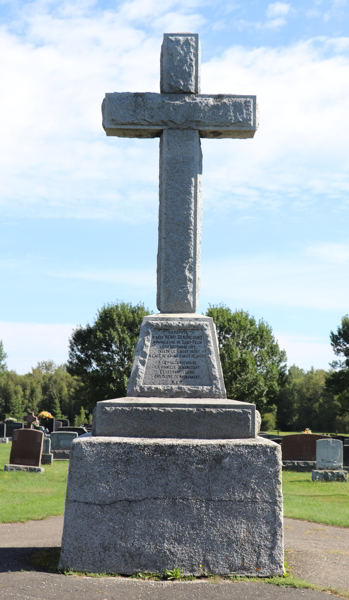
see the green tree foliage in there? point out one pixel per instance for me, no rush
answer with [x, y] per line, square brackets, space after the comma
[253, 365]
[102, 354]
[338, 379]
[3, 356]
[48, 387]
[305, 401]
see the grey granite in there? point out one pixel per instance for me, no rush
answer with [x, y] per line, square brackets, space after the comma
[180, 418]
[148, 505]
[180, 222]
[177, 356]
[329, 454]
[24, 468]
[179, 64]
[147, 115]
[62, 440]
[329, 475]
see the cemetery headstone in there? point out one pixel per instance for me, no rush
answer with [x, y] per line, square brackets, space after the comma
[300, 446]
[61, 443]
[79, 430]
[329, 461]
[346, 455]
[47, 456]
[159, 498]
[3, 438]
[26, 449]
[10, 427]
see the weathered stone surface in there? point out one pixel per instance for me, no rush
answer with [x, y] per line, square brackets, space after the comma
[329, 475]
[147, 115]
[180, 221]
[24, 468]
[137, 505]
[61, 454]
[301, 466]
[62, 440]
[179, 64]
[182, 418]
[177, 356]
[329, 454]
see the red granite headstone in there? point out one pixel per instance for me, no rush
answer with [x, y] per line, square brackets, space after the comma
[27, 447]
[300, 446]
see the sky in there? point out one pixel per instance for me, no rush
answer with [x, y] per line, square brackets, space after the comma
[79, 210]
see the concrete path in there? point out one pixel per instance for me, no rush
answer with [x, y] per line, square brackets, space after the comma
[316, 553]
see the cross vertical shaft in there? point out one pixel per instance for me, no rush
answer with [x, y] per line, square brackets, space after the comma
[180, 206]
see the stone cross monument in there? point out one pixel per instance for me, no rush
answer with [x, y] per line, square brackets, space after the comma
[175, 474]
[180, 116]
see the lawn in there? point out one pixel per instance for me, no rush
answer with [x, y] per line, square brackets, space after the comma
[25, 496]
[31, 496]
[317, 501]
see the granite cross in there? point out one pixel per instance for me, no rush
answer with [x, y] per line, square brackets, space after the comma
[179, 115]
[30, 418]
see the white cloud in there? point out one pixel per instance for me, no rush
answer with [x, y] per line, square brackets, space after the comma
[56, 161]
[278, 9]
[28, 343]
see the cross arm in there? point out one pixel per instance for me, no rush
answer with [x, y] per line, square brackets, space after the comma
[147, 115]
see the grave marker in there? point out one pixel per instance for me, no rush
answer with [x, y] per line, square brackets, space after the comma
[148, 502]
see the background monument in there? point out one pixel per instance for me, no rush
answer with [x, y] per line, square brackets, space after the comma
[175, 475]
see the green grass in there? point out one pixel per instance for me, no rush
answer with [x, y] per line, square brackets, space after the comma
[31, 496]
[317, 501]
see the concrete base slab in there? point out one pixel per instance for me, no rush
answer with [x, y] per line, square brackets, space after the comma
[329, 475]
[147, 505]
[61, 454]
[47, 459]
[176, 418]
[24, 468]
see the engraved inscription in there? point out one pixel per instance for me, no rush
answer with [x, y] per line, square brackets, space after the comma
[177, 357]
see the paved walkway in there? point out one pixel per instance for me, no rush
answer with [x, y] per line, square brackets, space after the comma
[316, 553]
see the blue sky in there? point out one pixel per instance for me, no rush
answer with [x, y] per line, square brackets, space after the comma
[79, 210]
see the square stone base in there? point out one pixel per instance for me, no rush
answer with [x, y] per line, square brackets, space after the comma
[47, 458]
[192, 418]
[329, 475]
[141, 504]
[24, 468]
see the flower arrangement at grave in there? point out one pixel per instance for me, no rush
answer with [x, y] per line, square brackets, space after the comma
[307, 430]
[45, 418]
[10, 420]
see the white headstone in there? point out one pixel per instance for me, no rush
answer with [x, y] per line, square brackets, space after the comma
[329, 454]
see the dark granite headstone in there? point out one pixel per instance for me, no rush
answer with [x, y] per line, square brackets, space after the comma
[300, 446]
[78, 430]
[65, 422]
[10, 427]
[346, 455]
[27, 447]
[2, 430]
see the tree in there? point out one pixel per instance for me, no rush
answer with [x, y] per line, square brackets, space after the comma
[338, 379]
[253, 365]
[102, 354]
[3, 356]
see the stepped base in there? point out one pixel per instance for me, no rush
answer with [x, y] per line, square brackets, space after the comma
[176, 418]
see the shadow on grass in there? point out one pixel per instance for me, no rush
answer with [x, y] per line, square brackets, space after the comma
[29, 559]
